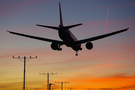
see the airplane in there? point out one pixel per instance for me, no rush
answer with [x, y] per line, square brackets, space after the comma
[67, 37]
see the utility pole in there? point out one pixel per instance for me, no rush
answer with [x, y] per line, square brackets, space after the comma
[61, 84]
[24, 60]
[48, 74]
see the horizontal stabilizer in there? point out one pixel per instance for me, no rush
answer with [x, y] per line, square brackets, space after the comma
[52, 27]
[71, 26]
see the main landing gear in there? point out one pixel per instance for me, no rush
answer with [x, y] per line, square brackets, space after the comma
[59, 49]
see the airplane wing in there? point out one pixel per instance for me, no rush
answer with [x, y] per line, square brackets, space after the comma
[101, 36]
[35, 37]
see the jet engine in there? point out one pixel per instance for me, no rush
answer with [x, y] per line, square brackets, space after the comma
[89, 45]
[56, 46]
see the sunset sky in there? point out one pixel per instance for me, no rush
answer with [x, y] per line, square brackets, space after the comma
[110, 64]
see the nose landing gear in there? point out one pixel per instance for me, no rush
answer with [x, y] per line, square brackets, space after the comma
[76, 54]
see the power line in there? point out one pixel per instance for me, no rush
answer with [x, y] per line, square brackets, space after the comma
[24, 60]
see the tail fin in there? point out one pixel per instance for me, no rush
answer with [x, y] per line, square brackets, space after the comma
[61, 21]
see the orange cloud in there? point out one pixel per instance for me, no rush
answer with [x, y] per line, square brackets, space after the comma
[130, 87]
[114, 81]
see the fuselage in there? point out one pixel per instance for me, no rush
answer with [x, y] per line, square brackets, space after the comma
[68, 38]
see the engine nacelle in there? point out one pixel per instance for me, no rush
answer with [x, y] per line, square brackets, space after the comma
[54, 46]
[89, 45]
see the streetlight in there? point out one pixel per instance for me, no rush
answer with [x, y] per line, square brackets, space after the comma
[25, 59]
[61, 84]
[48, 74]
[50, 85]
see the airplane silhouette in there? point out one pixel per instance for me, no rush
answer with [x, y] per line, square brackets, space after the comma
[67, 37]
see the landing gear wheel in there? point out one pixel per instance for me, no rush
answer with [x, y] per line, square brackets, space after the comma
[76, 54]
[59, 49]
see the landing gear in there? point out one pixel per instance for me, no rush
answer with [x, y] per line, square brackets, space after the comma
[76, 54]
[81, 49]
[59, 49]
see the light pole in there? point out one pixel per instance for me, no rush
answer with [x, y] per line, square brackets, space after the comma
[20, 58]
[61, 84]
[48, 74]
[50, 86]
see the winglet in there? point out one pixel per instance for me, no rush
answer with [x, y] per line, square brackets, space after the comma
[8, 31]
[129, 27]
[61, 21]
